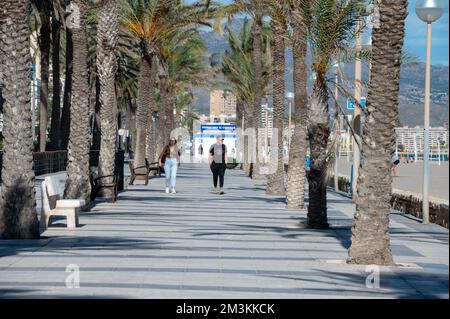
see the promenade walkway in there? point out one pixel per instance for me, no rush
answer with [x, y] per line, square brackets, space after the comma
[199, 245]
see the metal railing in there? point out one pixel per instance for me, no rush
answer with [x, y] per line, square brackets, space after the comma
[54, 162]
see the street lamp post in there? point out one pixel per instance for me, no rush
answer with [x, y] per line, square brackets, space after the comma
[338, 131]
[266, 133]
[428, 11]
[357, 110]
[290, 96]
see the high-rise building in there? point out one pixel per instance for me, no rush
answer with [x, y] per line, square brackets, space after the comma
[266, 120]
[222, 106]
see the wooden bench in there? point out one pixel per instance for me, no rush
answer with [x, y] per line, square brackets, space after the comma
[52, 190]
[110, 183]
[143, 172]
[154, 167]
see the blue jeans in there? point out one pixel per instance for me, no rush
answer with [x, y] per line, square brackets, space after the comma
[170, 169]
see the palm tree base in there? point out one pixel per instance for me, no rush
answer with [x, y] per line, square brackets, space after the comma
[318, 226]
[372, 258]
[275, 192]
[296, 207]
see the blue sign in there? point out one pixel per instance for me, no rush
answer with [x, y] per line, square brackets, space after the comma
[219, 127]
[350, 104]
[363, 102]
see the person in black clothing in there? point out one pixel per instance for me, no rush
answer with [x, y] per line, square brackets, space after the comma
[218, 163]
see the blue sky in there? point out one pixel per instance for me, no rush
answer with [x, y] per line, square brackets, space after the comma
[415, 40]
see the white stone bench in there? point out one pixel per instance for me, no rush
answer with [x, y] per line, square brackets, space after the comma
[52, 189]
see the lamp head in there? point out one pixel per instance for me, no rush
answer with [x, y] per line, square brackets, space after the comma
[290, 95]
[430, 10]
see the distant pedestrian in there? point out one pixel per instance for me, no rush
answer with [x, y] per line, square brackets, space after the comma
[396, 162]
[218, 163]
[170, 157]
[308, 161]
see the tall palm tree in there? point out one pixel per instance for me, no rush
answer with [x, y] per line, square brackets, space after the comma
[330, 24]
[256, 9]
[151, 151]
[78, 185]
[107, 65]
[275, 182]
[258, 83]
[54, 142]
[45, 8]
[141, 18]
[370, 232]
[165, 109]
[295, 195]
[67, 94]
[152, 22]
[186, 69]
[238, 69]
[18, 216]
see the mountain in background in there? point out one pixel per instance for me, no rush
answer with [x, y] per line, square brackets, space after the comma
[412, 84]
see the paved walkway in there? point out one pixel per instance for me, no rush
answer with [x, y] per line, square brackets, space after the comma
[199, 245]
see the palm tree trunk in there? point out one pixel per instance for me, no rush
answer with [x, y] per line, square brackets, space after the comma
[56, 99]
[163, 129]
[150, 141]
[150, 149]
[370, 232]
[245, 124]
[18, 216]
[165, 107]
[318, 132]
[239, 121]
[94, 121]
[44, 46]
[177, 119]
[143, 103]
[295, 197]
[65, 114]
[256, 108]
[107, 38]
[77, 185]
[275, 182]
[170, 119]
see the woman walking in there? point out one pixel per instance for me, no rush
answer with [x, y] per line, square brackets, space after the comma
[218, 158]
[170, 157]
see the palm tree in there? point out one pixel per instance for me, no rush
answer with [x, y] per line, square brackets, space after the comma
[295, 195]
[107, 65]
[370, 232]
[67, 94]
[153, 22]
[141, 18]
[256, 9]
[165, 106]
[330, 24]
[78, 185]
[258, 83]
[44, 9]
[238, 69]
[186, 69]
[151, 151]
[275, 182]
[18, 216]
[54, 143]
